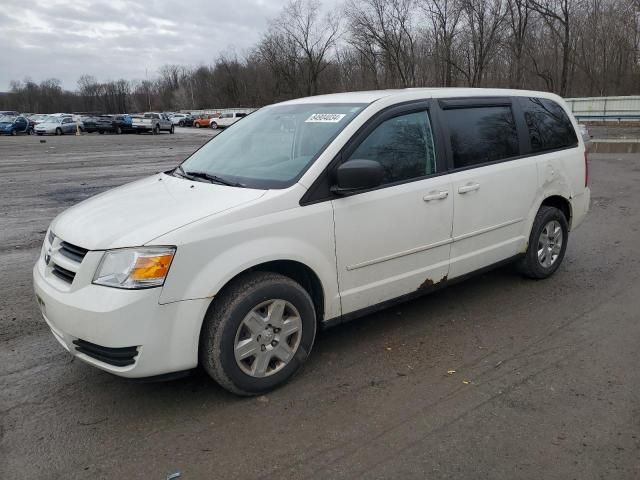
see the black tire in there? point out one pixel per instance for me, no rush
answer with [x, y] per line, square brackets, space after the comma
[197, 125]
[101, 132]
[181, 124]
[14, 133]
[225, 316]
[172, 130]
[58, 131]
[214, 125]
[118, 130]
[530, 266]
[30, 131]
[156, 130]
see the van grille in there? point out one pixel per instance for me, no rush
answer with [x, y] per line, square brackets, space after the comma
[118, 357]
[66, 259]
[73, 252]
[63, 273]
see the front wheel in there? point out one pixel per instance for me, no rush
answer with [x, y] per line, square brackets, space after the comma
[172, 130]
[156, 130]
[58, 131]
[214, 125]
[14, 133]
[547, 244]
[257, 333]
[118, 130]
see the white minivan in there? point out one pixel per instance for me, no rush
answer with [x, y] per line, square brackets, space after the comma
[226, 119]
[306, 214]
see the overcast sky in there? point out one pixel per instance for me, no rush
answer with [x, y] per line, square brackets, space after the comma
[112, 39]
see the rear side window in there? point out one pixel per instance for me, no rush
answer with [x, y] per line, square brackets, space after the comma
[481, 134]
[403, 145]
[548, 124]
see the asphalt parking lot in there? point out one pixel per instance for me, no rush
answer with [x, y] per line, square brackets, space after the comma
[494, 378]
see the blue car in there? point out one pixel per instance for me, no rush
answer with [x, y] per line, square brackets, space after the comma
[15, 124]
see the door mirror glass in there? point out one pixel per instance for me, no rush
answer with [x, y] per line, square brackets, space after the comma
[356, 175]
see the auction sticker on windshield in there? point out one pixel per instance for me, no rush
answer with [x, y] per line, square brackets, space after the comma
[325, 118]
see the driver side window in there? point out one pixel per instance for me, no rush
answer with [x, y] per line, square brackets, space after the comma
[403, 145]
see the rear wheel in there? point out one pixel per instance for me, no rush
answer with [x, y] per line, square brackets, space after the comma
[118, 130]
[257, 333]
[197, 125]
[13, 133]
[172, 129]
[214, 125]
[156, 130]
[58, 131]
[181, 124]
[547, 244]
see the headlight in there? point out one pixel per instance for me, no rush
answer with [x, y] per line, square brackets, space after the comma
[133, 268]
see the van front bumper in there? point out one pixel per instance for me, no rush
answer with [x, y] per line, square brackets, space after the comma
[124, 332]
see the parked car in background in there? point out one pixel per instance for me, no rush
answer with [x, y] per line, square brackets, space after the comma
[203, 121]
[226, 119]
[37, 118]
[15, 124]
[90, 123]
[113, 123]
[57, 125]
[181, 119]
[307, 214]
[11, 113]
[153, 122]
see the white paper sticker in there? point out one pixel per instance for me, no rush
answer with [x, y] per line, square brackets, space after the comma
[325, 118]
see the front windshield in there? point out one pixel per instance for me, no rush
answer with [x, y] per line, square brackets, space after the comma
[272, 147]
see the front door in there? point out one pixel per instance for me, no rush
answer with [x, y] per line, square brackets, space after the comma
[395, 239]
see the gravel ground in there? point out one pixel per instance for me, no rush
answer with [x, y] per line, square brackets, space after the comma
[546, 384]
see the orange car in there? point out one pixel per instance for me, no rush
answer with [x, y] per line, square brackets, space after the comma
[203, 121]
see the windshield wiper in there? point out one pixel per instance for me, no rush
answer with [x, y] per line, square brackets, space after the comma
[212, 178]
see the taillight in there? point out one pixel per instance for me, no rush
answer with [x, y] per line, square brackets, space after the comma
[586, 170]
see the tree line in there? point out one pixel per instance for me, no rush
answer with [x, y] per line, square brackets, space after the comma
[570, 47]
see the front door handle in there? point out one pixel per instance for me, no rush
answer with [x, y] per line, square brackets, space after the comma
[435, 196]
[469, 187]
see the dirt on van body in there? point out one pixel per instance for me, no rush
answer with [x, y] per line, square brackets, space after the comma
[496, 377]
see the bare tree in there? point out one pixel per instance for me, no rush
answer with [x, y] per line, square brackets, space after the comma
[558, 15]
[484, 21]
[518, 21]
[445, 19]
[309, 36]
[388, 26]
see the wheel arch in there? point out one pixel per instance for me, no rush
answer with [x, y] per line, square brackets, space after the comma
[296, 271]
[561, 203]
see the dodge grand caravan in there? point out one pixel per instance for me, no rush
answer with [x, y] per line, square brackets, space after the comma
[306, 214]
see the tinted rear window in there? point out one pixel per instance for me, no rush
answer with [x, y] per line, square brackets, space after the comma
[481, 134]
[548, 124]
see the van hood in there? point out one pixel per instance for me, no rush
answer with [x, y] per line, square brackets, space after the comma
[136, 213]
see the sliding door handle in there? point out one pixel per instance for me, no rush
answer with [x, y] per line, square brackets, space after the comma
[469, 187]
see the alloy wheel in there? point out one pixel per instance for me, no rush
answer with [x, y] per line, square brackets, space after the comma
[268, 338]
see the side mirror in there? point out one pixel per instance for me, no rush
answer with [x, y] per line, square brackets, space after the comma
[356, 175]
